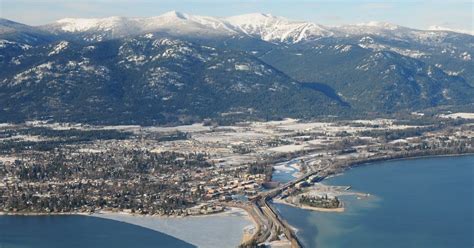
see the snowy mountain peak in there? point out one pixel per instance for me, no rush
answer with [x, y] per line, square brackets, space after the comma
[251, 18]
[85, 24]
[176, 14]
[257, 25]
[380, 25]
[440, 28]
[383, 29]
[274, 28]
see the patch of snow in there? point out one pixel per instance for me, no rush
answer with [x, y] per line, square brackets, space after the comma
[458, 115]
[5, 43]
[454, 73]
[287, 148]
[446, 94]
[343, 48]
[16, 61]
[465, 56]
[58, 48]
[242, 67]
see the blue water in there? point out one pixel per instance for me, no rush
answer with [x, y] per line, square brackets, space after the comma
[413, 203]
[80, 232]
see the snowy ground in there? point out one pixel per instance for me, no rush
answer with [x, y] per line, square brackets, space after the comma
[287, 148]
[459, 115]
[10, 159]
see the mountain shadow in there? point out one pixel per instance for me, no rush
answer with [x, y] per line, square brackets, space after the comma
[327, 90]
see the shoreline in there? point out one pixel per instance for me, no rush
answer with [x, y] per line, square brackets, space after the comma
[230, 226]
[466, 155]
[370, 161]
[3, 213]
[332, 210]
[377, 160]
[191, 228]
[228, 211]
[366, 163]
[248, 215]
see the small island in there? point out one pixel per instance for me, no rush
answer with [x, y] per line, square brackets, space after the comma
[314, 203]
[319, 202]
[317, 197]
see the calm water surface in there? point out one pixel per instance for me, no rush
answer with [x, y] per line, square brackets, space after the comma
[413, 203]
[78, 232]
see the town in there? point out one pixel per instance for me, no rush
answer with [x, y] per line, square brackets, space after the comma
[54, 168]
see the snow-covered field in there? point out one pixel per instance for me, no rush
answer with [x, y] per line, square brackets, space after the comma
[228, 137]
[6, 125]
[287, 148]
[198, 127]
[459, 115]
[7, 159]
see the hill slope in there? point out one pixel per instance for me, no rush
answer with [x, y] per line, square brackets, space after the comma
[149, 80]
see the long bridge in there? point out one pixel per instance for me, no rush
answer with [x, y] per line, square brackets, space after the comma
[271, 225]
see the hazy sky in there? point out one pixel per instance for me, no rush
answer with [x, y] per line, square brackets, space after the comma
[456, 14]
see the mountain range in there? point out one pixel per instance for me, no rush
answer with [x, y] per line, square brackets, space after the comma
[181, 68]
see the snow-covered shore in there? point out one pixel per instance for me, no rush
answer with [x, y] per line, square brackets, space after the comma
[224, 229]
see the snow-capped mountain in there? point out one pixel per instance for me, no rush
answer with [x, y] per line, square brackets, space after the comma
[263, 26]
[174, 23]
[372, 28]
[398, 33]
[177, 66]
[377, 36]
[440, 28]
[272, 28]
[135, 25]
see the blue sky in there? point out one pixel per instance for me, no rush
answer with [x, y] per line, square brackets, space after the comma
[456, 14]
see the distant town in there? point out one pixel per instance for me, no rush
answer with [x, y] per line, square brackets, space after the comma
[63, 168]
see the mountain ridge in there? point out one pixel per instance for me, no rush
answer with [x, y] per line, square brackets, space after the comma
[177, 68]
[264, 26]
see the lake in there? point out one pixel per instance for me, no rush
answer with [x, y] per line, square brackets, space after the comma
[79, 232]
[414, 203]
[122, 230]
